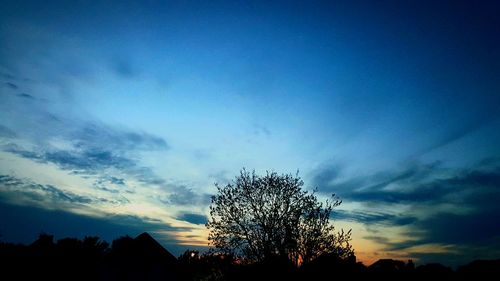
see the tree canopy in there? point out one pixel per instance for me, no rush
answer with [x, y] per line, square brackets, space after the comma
[258, 218]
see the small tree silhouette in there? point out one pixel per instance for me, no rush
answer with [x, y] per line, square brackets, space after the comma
[259, 218]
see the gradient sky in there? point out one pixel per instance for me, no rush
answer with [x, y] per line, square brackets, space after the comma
[117, 118]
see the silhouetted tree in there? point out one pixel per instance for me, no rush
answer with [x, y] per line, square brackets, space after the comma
[93, 245]
[261, 218]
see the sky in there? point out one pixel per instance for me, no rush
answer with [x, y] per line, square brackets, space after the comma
[118, 117]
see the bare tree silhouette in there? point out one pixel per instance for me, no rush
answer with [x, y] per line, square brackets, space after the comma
[260, 218]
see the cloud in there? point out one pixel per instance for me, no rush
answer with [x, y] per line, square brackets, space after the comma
[7, 76]
[23, 189]
[110, 154]
[381, 240]
[220, 177]
[193, 218]
[21, 192]
[373, 218]
[22, 224]
[460, 255]
[425, 183]
[107, 158]
[435, 184]
[182, 195]
[474, 121]
[323, 177]
[94, 134]
[329, 179]
[387, 186]
[117, 181]
[92, 148]
[26, 96]
[480, 227]
[113, 185]
[453, 208]
[11, 85]
[86, 147]
[6, 132]
[79, 161]
[455, 187]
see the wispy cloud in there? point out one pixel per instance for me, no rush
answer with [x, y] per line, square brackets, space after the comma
[79, 161]
[11, 85]
[183, 195]
[459, 131]
[193, 218]
[26, 96]
[323, 177]
[423, 184]
[77, 145]
[456, 208]
[373, 218]
[39, 193]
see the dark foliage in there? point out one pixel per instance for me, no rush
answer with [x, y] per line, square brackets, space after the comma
[45, 258]
[140, 258]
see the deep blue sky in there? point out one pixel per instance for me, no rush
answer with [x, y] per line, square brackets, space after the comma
[113, 110]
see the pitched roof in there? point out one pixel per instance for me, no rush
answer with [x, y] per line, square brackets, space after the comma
[149, 247]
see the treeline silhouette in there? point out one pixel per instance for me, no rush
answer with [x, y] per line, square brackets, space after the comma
[143, 258]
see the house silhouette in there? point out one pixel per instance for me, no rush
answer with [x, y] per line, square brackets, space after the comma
[140, 258]
[149, 249]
